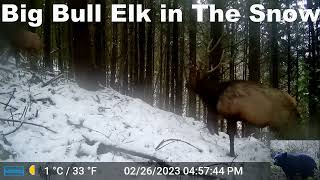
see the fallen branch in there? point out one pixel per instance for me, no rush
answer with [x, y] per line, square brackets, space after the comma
[97, 100]
[11, 117]
[57, 50]
[103, 149]
[82, 126]
[12, 95]
[5, 93]
[21, 123]
[52, 80]
[160, 146]
[44, 100]
[33, 124]
[9, 106]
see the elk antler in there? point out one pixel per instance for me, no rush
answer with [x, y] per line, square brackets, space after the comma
[209, 49]
[219, 64]
[212, 70]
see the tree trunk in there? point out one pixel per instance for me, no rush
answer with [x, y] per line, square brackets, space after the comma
[59, 47]
[136, 61]
[180, 79]
[161, 69]
[312, 63]
[142, 60]
[47, 36]
[150, 56]
[168, 67]
[254, 60]
[214, 59]
[70, 48]
[175, 62]
[232, 52]
[124, 54]
[100, 46]
[274, 49]
[83, 65]
[192, 98]
[289, 59]
[131, 57]
[114, 55]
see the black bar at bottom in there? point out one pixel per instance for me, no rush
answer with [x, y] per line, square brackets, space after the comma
[148, 170]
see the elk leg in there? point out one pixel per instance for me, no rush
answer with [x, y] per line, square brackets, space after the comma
[231, 130]
[212, 120]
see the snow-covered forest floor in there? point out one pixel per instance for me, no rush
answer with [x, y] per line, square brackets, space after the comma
[86, 126]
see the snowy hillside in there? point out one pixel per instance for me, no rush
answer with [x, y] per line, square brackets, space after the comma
[87, 122]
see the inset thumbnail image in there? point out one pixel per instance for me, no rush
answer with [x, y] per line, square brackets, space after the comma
[295, 160]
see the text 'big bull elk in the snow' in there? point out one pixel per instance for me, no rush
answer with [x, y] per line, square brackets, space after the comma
[137, 13]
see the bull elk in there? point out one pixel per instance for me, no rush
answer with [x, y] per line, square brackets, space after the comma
[249, 102]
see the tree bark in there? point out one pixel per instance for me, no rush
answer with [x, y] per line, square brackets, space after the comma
[82, 56]
[150, 56]
[214, 59]
[175, 64]
[274, 48]
[114, 55]
[180, 79]
[192, 98]
[168, 67]
[47, 36]
[59, 47]
[100, 46]
[312, 63]
[254, 61]
[289, 59]
[142, 59]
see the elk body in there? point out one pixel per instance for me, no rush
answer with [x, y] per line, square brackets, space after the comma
[15, 36]
[249, 102]
[26, 41]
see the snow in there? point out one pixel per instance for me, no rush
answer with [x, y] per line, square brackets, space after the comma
[83, 120]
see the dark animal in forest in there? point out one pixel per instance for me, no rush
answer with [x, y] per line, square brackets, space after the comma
[294, 165]
[248, 102]
[27, 41]
[17, 37]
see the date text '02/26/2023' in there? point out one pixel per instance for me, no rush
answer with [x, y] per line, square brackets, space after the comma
[173, 171]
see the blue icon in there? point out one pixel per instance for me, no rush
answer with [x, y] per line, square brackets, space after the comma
[13, 171]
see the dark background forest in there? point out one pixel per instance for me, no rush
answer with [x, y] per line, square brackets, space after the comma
[150, 60]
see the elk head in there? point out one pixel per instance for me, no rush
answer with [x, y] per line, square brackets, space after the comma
[199, 75]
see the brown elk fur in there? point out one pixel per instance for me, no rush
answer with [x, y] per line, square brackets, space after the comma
[26, 41]
[250, 102]
[258, 105]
